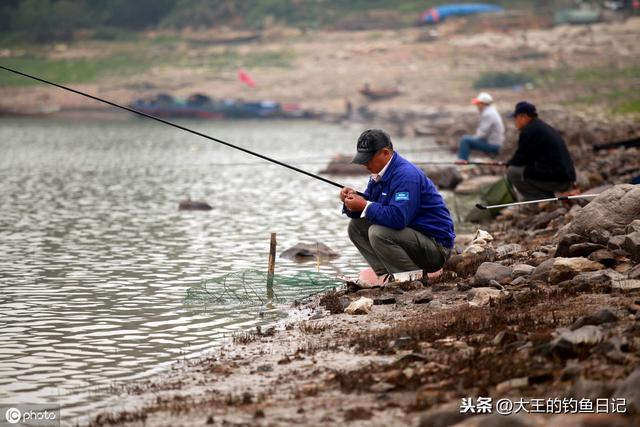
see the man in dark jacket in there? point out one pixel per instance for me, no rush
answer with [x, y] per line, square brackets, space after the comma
[402, 223]
[541, 165]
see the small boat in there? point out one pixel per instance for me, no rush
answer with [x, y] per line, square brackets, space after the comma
[242, 110]
[583, 16]
[200, 106]
[438, 14]
[164, 105]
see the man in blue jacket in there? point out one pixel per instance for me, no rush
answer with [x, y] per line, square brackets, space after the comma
[402, 223]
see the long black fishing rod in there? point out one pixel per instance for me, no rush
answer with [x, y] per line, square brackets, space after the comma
[462, 163]
[426, 150]
[628, 143]
[175, 125]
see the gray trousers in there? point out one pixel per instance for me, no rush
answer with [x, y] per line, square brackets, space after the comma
[532, 189]
[387, 250]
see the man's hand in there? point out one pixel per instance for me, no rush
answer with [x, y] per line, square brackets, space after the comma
[344, 193]
[355, 203]
[461, 162]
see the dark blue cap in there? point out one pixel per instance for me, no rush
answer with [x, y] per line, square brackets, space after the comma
[524, 107]
[369, 143]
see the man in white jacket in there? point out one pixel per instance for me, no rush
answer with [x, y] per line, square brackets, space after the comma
[489, 136]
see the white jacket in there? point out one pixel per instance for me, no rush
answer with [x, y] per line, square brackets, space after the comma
[491, 127]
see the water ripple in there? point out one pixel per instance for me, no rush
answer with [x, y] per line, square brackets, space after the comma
[95, 259]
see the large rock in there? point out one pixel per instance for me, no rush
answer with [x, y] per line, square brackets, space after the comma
[520, 270]
[634, 273]
[309, 251]
[633, 227]
[504, 251]
[584, 249]
[479, 243]
[341, 165]
[604, 257]
[360, 306]
[616, 242]
[481, 296]
[423, 297]
[625, 285]
[542, 219]
[600, 279]
[567, 241]
[603, 316]
[569, 344]
[566, 268]
[475, 184]
[630, 390]
[614, 208]
[193, 205]
[465, 265]
[489, 271]
[445, 178]
[541, 273]
[631, 244]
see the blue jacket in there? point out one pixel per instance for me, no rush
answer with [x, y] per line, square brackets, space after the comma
[405, 197]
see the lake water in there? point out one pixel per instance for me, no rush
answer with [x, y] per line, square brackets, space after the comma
[96, 259]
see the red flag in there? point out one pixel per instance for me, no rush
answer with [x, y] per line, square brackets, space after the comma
[245, 78]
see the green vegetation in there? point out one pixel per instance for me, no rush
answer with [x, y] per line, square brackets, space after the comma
[76, 70]
[619, 101]
[59, 20]
[496, 79]
[62, 20]
[129, 62]
[629, 106]
[598, 84]
[230, 59]
[589, 74]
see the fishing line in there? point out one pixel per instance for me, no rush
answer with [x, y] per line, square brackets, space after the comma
[175, 125]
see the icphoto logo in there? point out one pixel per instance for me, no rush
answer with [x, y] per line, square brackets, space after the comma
[13, 415]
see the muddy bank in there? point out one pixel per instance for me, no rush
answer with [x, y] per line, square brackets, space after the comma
[533, 308]
[389, 367]
[543, 304]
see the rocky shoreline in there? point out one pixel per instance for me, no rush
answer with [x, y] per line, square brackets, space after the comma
[545, 304]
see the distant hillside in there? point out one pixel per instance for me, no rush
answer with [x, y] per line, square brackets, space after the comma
[63, 20]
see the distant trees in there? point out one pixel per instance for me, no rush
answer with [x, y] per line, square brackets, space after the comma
[208, 13]
[43, 20]
[53, 20]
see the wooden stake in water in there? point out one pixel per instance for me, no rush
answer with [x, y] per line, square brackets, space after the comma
[272, 266]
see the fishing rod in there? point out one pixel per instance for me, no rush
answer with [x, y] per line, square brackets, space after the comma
[426, 150]
[175, 125]
[628, 143]
[322, 162]
[462, 163]
[553, 199]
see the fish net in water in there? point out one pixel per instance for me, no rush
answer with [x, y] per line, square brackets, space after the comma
[250, 287]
